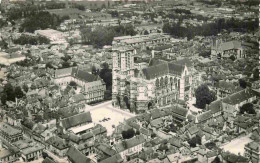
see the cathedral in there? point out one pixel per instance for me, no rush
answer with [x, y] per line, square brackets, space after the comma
[142, 86]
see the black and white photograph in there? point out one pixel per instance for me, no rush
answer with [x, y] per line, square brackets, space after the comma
[129, 81]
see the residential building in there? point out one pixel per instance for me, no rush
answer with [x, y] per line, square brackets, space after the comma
[130, 147]
[75, 156]
[32, 153]
[232, 103]
[58, 146]
[92, 86]
[141, 40]
[252, 151]
[227, 49]
[8, 156]
[10, 133]
[76, 121]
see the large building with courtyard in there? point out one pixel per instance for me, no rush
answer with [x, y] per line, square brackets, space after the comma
[91, 86]
[156, 83]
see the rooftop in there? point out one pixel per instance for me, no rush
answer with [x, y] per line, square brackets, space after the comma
[11, 131]
[32, 149]
[76, 120]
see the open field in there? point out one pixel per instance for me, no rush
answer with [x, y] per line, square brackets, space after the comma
[74, 13]
[99, 112]
[237, 146]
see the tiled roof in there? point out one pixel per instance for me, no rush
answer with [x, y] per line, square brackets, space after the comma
[184, 61]
[215, 106]
[204, 116]
[76, 156]
[62, 72]
[106, 149]
[145, 131]
[57, 142]
[48, 160]
[7, 129]
[99, 130]
[139, 139]
[114, 159]
[87, 135]
[240, 96]
[134, 125]
[180, 111]
[193, 130]
[156, 113]
[232, 158]
[157, 123]
[76, 120]
[255, 146]
[83, 75]
[156, 71]
[175, 141]
[78, 97]
[230, 45]
[159, 68]
[74, 138]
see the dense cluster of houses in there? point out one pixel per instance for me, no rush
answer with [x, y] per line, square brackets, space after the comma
[154, 75]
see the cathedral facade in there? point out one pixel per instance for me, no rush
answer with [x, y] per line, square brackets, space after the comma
[158, 84]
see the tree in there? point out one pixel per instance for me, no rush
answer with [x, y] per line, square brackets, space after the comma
[128, 133]
[248, 108]
[94, 70]
[232, 57]
[73, 84]
[205, 54]
[204, 96]
[3, 98]
[194, 141]
[9, 91]
[146, 32]
[242, 83]
[18, 92]
[256, 74]
[65, 64]
[49, 65]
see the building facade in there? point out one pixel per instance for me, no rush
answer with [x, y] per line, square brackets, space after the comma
[252, 151]
[10, 133]
[92, 86]
[158, 84]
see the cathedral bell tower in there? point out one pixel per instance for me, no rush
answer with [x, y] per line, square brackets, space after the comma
[123, 70]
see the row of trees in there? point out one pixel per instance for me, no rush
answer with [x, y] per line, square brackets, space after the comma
[41, 20]
[28, 10]
[10, 93]
[101, 36]
[209, 29]
[212, 2]
[32, 40]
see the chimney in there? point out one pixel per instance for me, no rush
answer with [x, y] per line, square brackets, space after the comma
[152, 53]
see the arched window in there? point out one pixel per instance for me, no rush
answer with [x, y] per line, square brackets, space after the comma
[166, 81]
[157, 83]
[161, 82]
[171, 80]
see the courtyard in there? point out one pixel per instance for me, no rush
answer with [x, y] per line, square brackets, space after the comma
[236, 146]
[108, 116]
